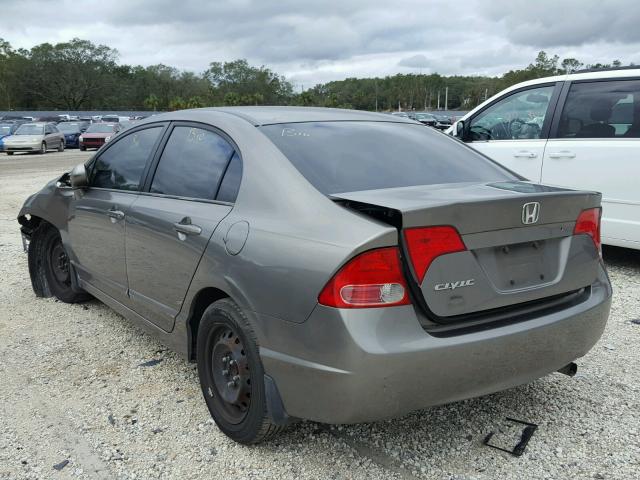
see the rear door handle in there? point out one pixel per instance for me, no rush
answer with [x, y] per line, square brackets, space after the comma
[525, 154]
[185, 227]
[562, 154]
[115, 215]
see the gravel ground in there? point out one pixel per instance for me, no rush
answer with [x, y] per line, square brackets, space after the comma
[72, 389]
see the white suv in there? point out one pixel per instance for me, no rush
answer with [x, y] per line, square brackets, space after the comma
[580, 130]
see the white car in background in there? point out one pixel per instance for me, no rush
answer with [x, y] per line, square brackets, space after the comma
[580, 130]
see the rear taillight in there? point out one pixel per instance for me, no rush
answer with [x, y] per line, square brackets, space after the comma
[371, 279]
[589, 223]
[425, 244]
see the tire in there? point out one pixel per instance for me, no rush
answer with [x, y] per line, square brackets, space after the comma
[48, 258]
[9, 153]
[61, 146]
[227, 353]
[83, 149]
[43, 148]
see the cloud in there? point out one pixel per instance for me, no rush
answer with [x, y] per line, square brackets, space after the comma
[415, 61]
[311, 42]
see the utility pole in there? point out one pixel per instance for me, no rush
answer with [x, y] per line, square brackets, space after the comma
[446, 98]
[438, 99]
[376, 83]
[486, 91]
[399, 109]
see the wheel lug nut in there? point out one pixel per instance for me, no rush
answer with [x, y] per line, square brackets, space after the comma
[231, 384]
[225, 372]
[236, 379]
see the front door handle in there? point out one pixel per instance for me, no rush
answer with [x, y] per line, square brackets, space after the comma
[562, 154]
[115, 215]
[525, 154]
[185, 227]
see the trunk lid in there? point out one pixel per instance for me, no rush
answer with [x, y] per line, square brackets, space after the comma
[509, 259]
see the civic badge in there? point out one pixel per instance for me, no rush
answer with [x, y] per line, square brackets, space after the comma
[530, 213]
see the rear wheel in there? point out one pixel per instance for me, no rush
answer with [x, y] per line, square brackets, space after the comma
[231, 374]
[9, 153]
[83, 148]
[61, 146]
[48, 257]
[43, 148]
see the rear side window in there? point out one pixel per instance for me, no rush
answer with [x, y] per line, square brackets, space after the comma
[231, 182]
[601, 110]
[120, 167]
[192, 164]
[338, 157]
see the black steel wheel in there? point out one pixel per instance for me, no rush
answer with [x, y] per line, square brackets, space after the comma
[50, 268]
[231, 374]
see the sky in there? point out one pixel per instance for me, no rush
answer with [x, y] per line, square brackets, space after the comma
[312, 42]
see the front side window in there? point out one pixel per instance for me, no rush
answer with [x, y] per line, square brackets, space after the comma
[516, 117]
[120, 167]
[339, 157]
[192, 164]
[601, 110]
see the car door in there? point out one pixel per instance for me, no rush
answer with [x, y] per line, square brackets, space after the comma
[48, 130]
[96, 217]
[513, 129]
[169, 226]
[595, 145]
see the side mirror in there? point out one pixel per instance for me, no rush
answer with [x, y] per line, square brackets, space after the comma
[460, 129]
[78, 176]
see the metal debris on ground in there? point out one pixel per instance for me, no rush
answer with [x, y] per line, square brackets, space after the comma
[61, 465]
[150, 363]
[514, 431]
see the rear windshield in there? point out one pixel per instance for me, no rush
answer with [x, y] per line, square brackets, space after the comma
[338, 157]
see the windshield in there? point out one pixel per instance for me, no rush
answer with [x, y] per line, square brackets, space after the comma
[100, 128]
[354, 156]
[30, 129]
[69, 127]
[424, 116]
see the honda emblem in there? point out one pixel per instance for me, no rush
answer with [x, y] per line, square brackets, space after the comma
[530, 213]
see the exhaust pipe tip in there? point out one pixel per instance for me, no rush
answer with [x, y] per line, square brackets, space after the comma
[570, 369]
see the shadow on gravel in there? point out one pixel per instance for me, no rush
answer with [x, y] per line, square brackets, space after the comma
[621, 257]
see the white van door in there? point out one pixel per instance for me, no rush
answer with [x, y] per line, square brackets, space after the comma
[595, 145]
[513, 129]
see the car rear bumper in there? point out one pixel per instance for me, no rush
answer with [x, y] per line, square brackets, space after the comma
[349, 366]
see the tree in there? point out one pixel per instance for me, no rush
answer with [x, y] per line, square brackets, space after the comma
[250, 84]
[570, 65]
[151, 102]
[72, 75]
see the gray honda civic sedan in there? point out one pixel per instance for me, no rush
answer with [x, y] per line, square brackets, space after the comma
[331, 265]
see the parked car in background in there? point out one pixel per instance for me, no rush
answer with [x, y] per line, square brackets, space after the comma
[443, 121]
[580, 130]
[114, 118]
[7, 129]
[425, 118]
[72, 132]
[333, 265]
[97, 134]
[34, 137]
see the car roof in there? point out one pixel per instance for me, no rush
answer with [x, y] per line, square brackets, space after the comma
[262, 115]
